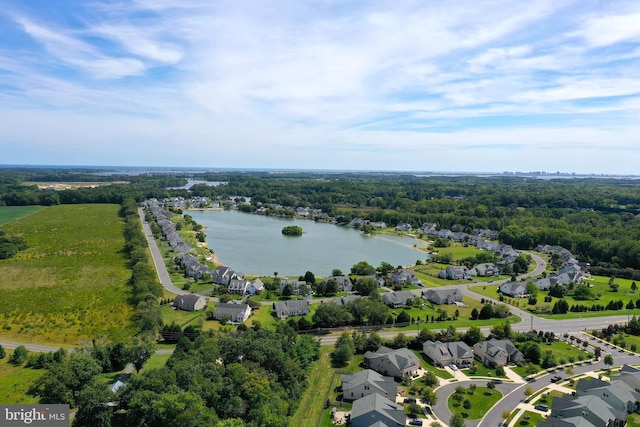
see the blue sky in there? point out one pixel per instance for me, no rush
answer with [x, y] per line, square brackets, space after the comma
[373, 85]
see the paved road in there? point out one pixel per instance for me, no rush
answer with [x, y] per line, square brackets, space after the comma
[163, 274]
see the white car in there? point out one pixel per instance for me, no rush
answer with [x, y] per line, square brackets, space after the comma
[453, 367]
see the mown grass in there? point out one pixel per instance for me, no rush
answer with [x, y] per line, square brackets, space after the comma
[482, 400]
[312, 403]
[529, 418]
[70, 284]
[16, 380]
[11, 213]
[155, 361]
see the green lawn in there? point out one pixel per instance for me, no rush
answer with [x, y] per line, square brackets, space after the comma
[529, 418]
[70, 284]
[312, 402]
[11, 213]
[633, 420]
[155, 361]
[482, 400]
[16, 380]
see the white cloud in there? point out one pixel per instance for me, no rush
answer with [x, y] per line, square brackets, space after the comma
[75, 52]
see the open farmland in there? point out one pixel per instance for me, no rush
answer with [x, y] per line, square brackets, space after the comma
[70, 284]
[11, 213]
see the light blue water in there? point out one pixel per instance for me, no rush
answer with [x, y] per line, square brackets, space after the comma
[254, 244]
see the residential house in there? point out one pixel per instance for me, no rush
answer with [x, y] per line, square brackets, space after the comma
[442, 296]
[444, 354]
[583, 411]
[615, 393]
[378, 279]
[367, 382]
[398, 363]
[344, 283]
[239, 286]
[506, 252]
[397, 299]
[344, 300]
[514, 289]
[295, 285]
[404, 276]
[486, 269]
[404, 227]
[455, 273]
[630, 376]
[189, 302]
[429, 228]
[497, 352]
[223, 275]
[284, 309]
[236, 313]
[375, 409]
[255, 287]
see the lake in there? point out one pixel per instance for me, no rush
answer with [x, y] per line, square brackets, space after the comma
[254, 244]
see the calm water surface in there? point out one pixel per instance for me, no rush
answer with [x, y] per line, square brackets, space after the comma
[254, 244]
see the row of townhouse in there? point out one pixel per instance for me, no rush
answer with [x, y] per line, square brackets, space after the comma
[491, 353]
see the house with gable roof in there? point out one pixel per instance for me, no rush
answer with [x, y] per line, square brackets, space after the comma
[405, 275]
[189, 302]
[442, 296]
[284, 309]
[485, 270]
[497, 352]
[223, 275]
[238, 286]
[514, 289]
[398, 363]
[237, 313]
[255, 287]
[444, 354]
[397, 299]
[377, 410]
[453, 272]
[367, 382]
[344, 283]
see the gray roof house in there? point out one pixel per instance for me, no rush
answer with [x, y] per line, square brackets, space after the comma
[237, 313]
[397, 299]
[374, 408]
[238, 286]
[616, 393]
[485, 270]
[295, 284]
[397, 363]
[454, 273]
[404, 275]
[497, 352]
[367, 382]
[514, 289]
[442, 296]
[443, 354]
[284, 309]
[255, 287]
[577, 409]
[344, 283]
[189, 302]
[630, 376]
[223, 275]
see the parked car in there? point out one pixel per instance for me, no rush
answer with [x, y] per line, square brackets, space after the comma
[541, 407]
[453, 367]
[556, 378]
[410, 400]
[415, 422]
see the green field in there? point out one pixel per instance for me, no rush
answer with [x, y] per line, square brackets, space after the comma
[312, 402]
[481, 401]
[11, 213]
[70, 284]
[16, 380]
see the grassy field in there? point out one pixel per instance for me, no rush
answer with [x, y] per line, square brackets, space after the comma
[312, 402]
[599, 286]
[482, 400]
[529, 418]
[70, 284]
[16, 380]
[11, 213]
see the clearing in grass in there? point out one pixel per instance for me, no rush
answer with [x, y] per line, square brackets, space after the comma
[70, 284]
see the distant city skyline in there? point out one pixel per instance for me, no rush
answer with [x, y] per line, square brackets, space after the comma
[328, 85]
